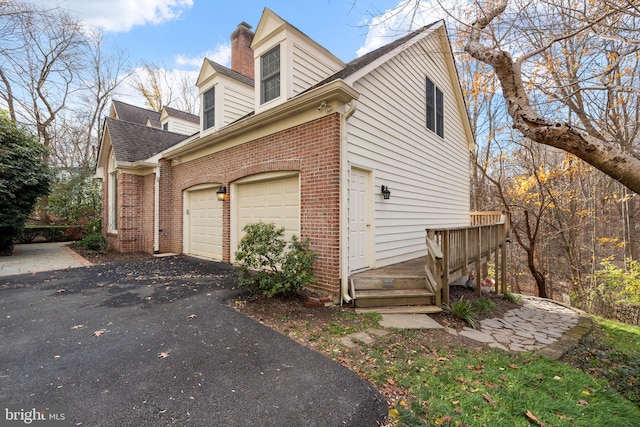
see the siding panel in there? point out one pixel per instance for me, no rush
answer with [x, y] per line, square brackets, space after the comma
[428, 176]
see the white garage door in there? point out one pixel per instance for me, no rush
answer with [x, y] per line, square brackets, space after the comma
[204, 224]
[276, 200]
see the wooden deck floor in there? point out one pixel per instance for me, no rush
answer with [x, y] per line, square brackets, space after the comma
[411, 268]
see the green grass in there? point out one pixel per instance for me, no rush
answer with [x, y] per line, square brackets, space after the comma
[512, 297]
[611, 352]
[493, 388]
[622, 337]
[484, 305]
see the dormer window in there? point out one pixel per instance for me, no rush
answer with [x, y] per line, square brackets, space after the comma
[209, 109]
[270, 75]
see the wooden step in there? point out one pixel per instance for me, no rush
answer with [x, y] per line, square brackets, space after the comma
[406, 309]
[393, 293]
[390, 282]
[393, 297]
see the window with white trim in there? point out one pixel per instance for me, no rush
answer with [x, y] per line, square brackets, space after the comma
[435, 108]
[209, 109]
[270, 75]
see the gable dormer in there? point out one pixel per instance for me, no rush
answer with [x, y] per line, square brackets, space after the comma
[226, 94]
[177, 121]
[286, 61]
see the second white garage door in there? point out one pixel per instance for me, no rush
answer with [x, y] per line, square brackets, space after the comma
[204, 224]
[274, 200]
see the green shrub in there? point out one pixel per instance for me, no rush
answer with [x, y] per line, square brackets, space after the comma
[616, 293]
[270, 266]
[95, 243]
[463, 310]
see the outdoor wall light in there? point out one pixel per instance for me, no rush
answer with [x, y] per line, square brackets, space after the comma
[221, 193]
[385, 192]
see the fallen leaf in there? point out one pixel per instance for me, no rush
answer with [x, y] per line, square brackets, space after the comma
[489, 399]
[192, 316]
[393, 413]
[533, 418]
[514, 366]
[149, 298]
[442, 359]
[163, 354]
[98, 332]
[391, 381]
[586, 393]
[403, 403]
[60, 291]
[582, 402]
[447, 419]
[77, 327]
[557, 378]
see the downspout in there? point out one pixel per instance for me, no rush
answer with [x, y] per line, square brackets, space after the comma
[344, 226]
[156, 211]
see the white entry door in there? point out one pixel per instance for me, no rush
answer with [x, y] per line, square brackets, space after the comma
[359, 220]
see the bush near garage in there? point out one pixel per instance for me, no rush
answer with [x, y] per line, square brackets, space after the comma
[269, 265]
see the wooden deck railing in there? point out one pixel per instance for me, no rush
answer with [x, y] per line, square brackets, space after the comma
[452, 251]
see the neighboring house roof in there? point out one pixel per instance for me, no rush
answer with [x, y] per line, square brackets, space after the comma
[172, 112]
[230, 73]
[133, 114]
[133, 142]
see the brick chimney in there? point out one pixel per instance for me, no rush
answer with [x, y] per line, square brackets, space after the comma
[241, 52]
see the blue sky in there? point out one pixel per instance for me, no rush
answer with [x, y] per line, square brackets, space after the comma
[177, 34]
[160, 31]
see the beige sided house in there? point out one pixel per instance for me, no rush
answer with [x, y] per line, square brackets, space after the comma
[360, 157]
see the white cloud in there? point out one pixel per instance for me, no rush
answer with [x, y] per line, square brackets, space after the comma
[221, 54]
[120, 15]
[394, 23]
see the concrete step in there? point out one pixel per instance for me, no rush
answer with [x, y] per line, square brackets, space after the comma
[408, 309]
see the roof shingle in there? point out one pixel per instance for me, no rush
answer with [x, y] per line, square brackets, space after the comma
[133, 142]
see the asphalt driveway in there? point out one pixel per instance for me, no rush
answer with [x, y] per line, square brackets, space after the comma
[153, 342]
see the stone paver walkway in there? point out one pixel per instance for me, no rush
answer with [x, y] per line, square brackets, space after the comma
[539, 325]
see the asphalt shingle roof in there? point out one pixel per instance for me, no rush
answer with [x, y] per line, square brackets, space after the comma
[133, 114]
[133, 142]
[182, 115]
[230, 73]
[370, 57]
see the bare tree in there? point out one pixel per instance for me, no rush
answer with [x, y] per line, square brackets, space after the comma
[544, 40]
[160, 87]
[56, 78]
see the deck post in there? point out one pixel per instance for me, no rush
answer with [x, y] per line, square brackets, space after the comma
[465, 253]
[478, 260]
[496, 248]
[503, 264]
[445, 265]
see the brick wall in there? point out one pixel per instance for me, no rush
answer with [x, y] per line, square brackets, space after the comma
[313, 149]
[148, 212]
